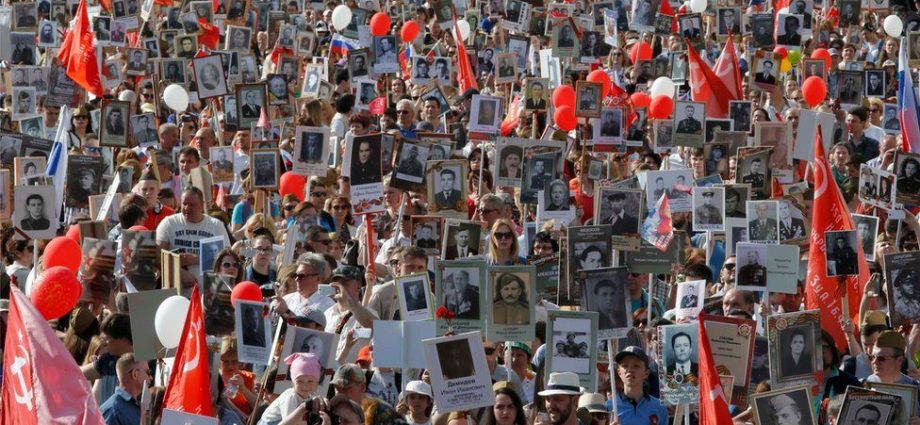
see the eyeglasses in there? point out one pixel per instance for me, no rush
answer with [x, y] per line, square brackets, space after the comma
[729, 266]
[881, 359]
[227, 264]
[487, 210]
[289, 207]
[302, 276]
[504, 235]
[319, 194]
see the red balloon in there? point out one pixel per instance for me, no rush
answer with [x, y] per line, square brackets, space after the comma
[409, 31]
[564, 95]
[62, 251]
[822, 54]
[599, 76]
[640, 100]
[139, 228]
[661, 107]
[814, 90]
[56, 292]
[246, 291]
[74, 233]
[565, 118]
[780, 52]
[291, 183]
[380, 24]
[640, 51]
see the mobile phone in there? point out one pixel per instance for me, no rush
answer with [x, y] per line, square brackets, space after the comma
[363, 333]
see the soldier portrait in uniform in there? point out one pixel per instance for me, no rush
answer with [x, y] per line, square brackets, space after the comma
[762, 224]
[750, 267]
[708, 207]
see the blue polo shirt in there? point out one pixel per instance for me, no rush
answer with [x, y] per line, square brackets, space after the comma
[121, 409]
[648, 411]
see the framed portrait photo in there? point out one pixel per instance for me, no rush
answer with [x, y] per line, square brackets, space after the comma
[588, 98]
[209, 74]
[414, 295]
[265, 167]
[512, 297]
[793, 357]
[35, 212]
[446, 191]
[486, 114]
[114, 131]
[250, 101]
[793, 402]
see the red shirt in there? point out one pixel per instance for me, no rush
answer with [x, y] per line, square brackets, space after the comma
[156, 214]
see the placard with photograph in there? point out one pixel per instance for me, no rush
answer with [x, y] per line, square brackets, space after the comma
[446, 191]
[97, 270]
[459, 371]
[794, 221]
[84, 174]
[512, 303]
[794, 358]
[762, 224]
[461, 239]
[221, 164]
[303, 340]
[253, 330]
[537, 94]
[690, 298]
[621, 209]
[608, 129]
[35, 212]
[753, 168]
[462, 291]
[879, 188]
[142, 307]
[266, 168]
[709, 208]
[362, 164]
[114, 130]
[907, 167]
[850, 87]
[542, 164]
[605, 291]
[890, 122]
[556, 204]
[409, 172]
[385, 55]
[209, 248]
[588, 99]
[311, 149]
[425, 233]
[867, 232]
[689, 117]
[144, 129]
[840, 253]
[210, 77]
[507, 171]
[250, 100]
[312, 79]
[678, 347]
[564, 38]
[572, 345]
[740, 113]
[485, 115]
[902, 278]
[218, 310]
[732, 342]
[414, 297]
[793, 402]
[590, 247]
[675, 183]
[777, 135]
[907, 405]
[29, 170]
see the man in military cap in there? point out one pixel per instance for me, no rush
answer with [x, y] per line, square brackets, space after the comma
[708, 213]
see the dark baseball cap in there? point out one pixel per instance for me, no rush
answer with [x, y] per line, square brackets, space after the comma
[632, 351]
[346, 273]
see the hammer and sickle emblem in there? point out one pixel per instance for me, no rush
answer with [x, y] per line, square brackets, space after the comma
[22, 392]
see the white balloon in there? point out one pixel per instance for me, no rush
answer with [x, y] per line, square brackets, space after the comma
[698, 6]
[662, 86]
[341, 17]
[893, 26]
[170, 319]
[175, 97]
[464, 27]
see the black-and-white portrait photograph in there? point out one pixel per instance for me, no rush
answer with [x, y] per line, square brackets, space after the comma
[866, 232]
[902, 276]
[209, 75]
[358, 63]
[486, 60]
[365, 161]
[137, 62]
[762, 27]
[675, 183]
[814, 68]
[740, 114]
[907, 169]
[231, 119]
[310, 145]
[606, 292]
[890, 122]
[25, 102]
[708, 208]
[265, 166]
[689, 118]
[507, 68]
[23, 44]
[448, 190]
[729, 21]
[856, 410]
[26, 16]
[716, 155]
[796, 352]
[714, 125]
[643, 15]
[750, 266]
[144, 127]
[250, 99]
[537, 94]
[304, 340]
[238, 38]
[610, 126]
[753, 171]
[510, 163]
[173, 71]
[765, 71]
[410, 163]
[850, 87]
[679, 350]
[792, 221]
[47, 33]
[441, 70]
[385, 59]
[875, 82]
[33, 126]
[461, 291]
[789, 30]
[115, 124]
[277, 89]
[253, 327]
[680, 67]
[455, 359]
[485, 115]
[539, 170]
[186, 46]
[762, 221]
[691, 26]
[414, 297]
[84, 177]
[556, 196]
[786, 406]
[35, 212]
[588, 98]
[564, 38]
[462, 240]
[28, 169]
[590, 248]
[840, 250]
[690, 295]
[620, 209]
[421, 70]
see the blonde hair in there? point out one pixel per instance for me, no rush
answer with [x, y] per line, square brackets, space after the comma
[493, 241]
[259, 220]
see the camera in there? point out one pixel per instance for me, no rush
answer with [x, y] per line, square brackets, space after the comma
[313, 417]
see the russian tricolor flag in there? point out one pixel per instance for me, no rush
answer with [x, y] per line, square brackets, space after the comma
[341, 45]
[908, 109]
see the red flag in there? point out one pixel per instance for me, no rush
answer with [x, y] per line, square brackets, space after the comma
[377, 106]
[713, 405]
[465, 78]
[776, 188]
[706, 87]
[619, 98]
[728, 70]
[41, 382]
[210, 34]
[189, 388]
[658, 228]
[666, 9]
[78, 54]
[512, 116]
[830, 213]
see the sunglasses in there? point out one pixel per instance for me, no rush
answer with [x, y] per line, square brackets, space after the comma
[302, 276]
[289, 207]
[729, 266]
[227, 264]
[504, 235]
[318, 194]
